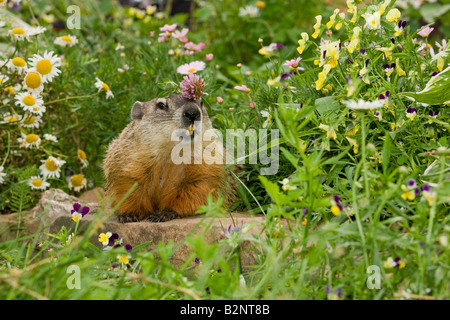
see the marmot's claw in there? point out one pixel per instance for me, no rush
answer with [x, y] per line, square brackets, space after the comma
[163, 216]
[124, 218]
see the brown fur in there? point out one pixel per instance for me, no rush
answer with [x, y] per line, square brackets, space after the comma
[142, 155]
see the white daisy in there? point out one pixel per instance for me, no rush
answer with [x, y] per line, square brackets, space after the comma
[31, 121]
[31, 102]
[77, 182]
[46, 65]
[363, 105]
[37, 183]
[82, 157]
[3, 78]
[29, 140]
[66, 41]
[51, 167]
[11, 118]
[17, 64]
[2, 175]
[50, 137]
[21, 33]
[99, 84]
[192, 67]
[33, 82]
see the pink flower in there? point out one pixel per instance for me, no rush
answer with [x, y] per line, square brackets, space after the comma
[425, 32]
[209, 57]
[168, 28]
[195, 47]
[192, 67]
[192, 86]
[181, 35]
[441, 46]
[219, 100]
[252, 105]
[152, 33]
[242, 88]
[292, 64]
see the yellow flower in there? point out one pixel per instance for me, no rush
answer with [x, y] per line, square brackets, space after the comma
[355, 15]
[77, 182]
[82, 157]
[383, 6]
[302, 42]
[399, 69]
[151, 9]
[387, 52]
[440, 62]
[123, 258]
[104, 238]
[332, 19]
[317, 27]
[372, 20]
[354, 144]
[350, 6]
[408, 193]
[339, 24]
[331, 133]
[353, 131]
[260, 4]
[335, 210]
[393, 15]
[322, 77]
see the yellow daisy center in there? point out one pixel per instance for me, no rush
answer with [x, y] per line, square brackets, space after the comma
[51, 165]
[105, 86]
[36, 109]
[29, 120]
[37, 182]
[29, 100]
[77, 180]
[66, 38]
[81, 154]
[19, 62]
[12, 119]
[31, 138]
[33, 80]
[44, 66]
[18, 31]
[191, 70]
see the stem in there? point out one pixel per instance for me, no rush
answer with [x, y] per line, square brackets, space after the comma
[7, 148]
[363, 155]
[70, 98]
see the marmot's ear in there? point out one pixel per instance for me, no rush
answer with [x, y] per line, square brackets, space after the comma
[136, 111]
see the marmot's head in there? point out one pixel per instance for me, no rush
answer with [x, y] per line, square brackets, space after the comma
[162, 118]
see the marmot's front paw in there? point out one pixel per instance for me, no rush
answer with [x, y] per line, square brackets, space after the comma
[128, 217]
[163, 216]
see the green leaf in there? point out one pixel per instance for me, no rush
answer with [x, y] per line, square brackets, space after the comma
[386, 152]
[436, 90]
[272, 189]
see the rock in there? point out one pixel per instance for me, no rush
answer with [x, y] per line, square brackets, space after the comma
[53, 212]
[95, 195]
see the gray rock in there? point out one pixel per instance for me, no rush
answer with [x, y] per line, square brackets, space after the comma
[53, 212]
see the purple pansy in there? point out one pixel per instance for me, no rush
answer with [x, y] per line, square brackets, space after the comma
[81, 210]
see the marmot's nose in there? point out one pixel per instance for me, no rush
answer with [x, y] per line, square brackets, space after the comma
[192, 114]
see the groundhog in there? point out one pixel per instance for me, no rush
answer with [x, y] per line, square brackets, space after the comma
[144, 154]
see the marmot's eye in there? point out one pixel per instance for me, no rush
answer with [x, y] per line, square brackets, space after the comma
[161, 105]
